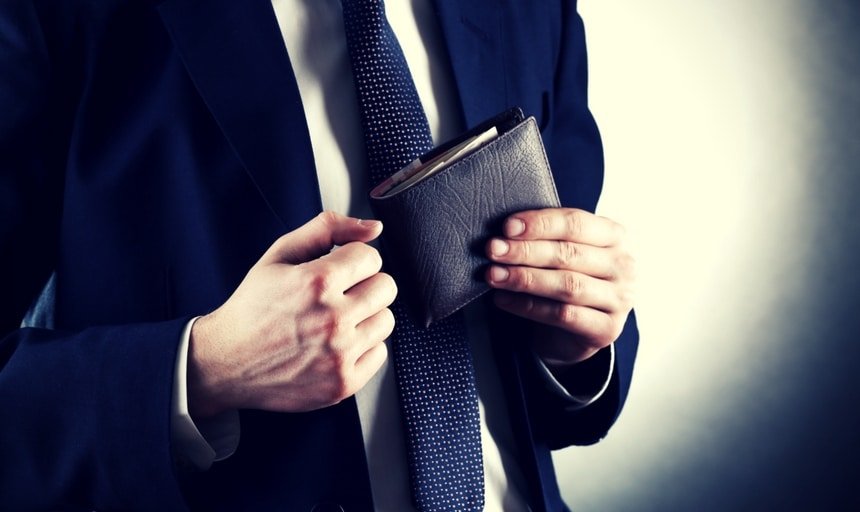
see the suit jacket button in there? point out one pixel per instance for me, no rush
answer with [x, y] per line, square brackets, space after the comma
[327, 507]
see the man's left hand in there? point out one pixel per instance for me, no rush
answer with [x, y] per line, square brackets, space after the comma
[570, 271]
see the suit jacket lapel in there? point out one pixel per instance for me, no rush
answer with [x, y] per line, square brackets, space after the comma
[236, 57]
[472, 31]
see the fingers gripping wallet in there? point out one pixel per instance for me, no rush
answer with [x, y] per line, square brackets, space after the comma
[440, 210]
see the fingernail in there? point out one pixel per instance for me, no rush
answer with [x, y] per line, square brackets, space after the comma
[514, 227]
[369, 223]
[499, 247]
[499, 274]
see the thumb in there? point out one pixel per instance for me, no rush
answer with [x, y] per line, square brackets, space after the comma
[316, 237]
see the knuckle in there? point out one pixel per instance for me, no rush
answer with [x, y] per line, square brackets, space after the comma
[529, 305]
[522, 251]
[333, 327]
[572, 286]
[389, 285]
[368, 254]
[567, 314]
[566, 254]
[544, 224]
[390, 321]
[323, 281]
[337, 356]
[384, 324]
[626, 265]
[574, 220]
[282, 242]
[375, 257]
[383, 349]
[603, 338]
[521, 278]
[328, 217]
[338, 326]
[608, 335]
[320, 287]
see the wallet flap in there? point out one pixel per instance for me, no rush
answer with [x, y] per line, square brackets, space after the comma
[435, 231]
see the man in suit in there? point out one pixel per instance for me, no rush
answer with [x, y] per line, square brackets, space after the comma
[154, 152]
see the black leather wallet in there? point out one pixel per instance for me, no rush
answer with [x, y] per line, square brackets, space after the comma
[435, 230]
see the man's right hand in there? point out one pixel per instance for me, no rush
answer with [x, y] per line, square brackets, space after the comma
[304, 330]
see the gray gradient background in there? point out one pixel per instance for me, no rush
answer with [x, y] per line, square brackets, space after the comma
[732, 134]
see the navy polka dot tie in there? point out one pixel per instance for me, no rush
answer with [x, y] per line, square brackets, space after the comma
[435, 376]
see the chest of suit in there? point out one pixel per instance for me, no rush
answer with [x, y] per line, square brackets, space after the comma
[188, 155]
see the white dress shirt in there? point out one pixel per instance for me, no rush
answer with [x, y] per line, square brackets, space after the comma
[316, 43]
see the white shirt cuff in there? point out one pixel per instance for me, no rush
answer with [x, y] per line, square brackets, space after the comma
[579, 401]
[198, 444]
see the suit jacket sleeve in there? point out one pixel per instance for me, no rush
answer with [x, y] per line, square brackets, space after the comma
[557, 421]
[85, 414]
[576, 156]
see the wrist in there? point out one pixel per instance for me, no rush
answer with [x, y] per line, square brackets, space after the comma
[560, 350]
[556, 365]
[207, 381]
[587, 379]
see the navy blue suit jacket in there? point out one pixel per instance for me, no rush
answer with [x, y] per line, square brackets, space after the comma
[149, 153]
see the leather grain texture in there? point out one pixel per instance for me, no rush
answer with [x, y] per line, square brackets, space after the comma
[435, 232]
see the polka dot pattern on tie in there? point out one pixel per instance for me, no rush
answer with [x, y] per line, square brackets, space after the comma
[435, 375]
[440, 408]
[395, 127]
